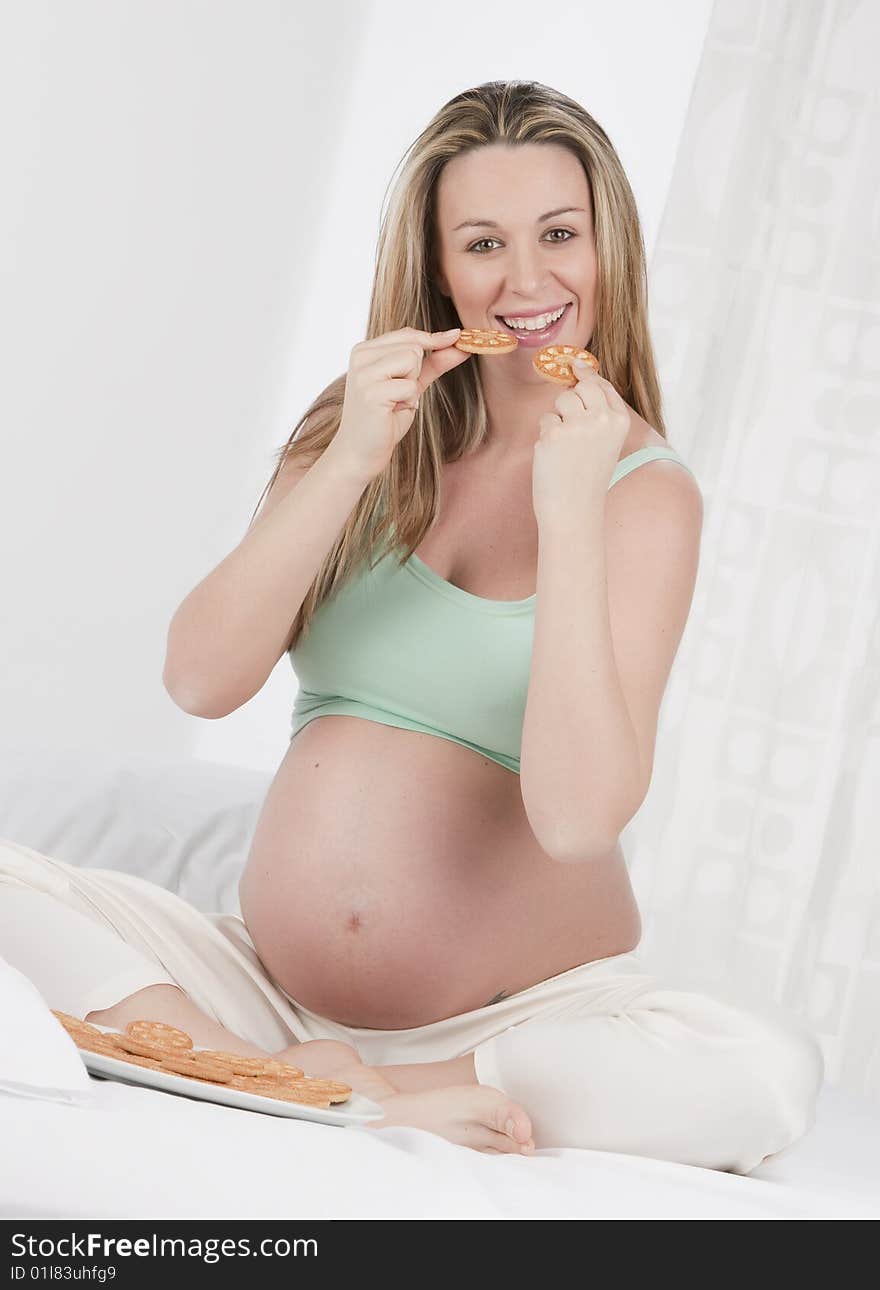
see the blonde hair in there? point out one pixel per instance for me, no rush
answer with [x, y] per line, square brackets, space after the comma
[451, 418]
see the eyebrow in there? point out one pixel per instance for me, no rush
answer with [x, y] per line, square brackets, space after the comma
[490, 223]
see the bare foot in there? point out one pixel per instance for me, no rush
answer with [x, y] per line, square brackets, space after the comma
[329, 1057]
[473, 1115]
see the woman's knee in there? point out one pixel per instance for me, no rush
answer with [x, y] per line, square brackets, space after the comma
[675, 1075]
[794, 1069]
[150, 1001]
[768, 1069]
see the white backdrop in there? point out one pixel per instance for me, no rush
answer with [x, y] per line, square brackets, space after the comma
[756, 855]
[187, 234]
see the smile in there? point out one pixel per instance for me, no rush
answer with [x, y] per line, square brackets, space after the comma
[534, 332]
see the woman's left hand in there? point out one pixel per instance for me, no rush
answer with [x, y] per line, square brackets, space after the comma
[578, 447]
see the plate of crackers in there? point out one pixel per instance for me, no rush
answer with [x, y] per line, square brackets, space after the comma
[156, 1055]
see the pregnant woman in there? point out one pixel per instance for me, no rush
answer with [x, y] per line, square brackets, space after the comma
[481, 578]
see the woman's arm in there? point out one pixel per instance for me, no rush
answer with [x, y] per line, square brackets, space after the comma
[579, 760]
[615, 587]
[231, 630]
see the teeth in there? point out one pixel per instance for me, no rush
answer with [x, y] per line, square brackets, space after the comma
[534, 324]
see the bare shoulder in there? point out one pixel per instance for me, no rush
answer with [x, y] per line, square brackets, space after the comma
[640, 435]
[643, 435]
[658, 493]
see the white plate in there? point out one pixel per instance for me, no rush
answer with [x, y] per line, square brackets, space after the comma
[357, 1110]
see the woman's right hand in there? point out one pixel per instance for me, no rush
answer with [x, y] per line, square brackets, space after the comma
[386, 378]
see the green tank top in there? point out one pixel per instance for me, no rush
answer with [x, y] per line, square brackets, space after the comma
[400, 645]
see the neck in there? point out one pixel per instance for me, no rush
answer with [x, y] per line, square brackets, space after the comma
[514, 406]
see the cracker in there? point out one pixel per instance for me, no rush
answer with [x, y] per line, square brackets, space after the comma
[309, 1085]
[478, 340]
[99, 1043]
[150, 1063]
[554, 363]
[281, 1092]
[238, 1064]
[336, 1091]
[135, 1046]
[195, 1068]
[75, 1025]
[283, 1071]
[159, 1035]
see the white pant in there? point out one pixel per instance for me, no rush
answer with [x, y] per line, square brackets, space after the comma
[601, 1056]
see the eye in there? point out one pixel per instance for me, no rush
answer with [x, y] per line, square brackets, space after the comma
[561, 242]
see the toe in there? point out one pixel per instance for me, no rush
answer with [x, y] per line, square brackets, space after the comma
[493, 1110]
[510, 1118]
[482, 1138]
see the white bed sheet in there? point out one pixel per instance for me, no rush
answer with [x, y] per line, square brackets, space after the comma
[138, 1153]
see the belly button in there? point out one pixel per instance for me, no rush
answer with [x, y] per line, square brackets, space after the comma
[354, 922]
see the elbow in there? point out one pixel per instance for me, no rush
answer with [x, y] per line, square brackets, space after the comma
[566, 851]
[575, 850]
[570, 844]
[578, 848]
[189, 702]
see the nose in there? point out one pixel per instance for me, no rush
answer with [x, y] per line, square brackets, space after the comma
[525, 274]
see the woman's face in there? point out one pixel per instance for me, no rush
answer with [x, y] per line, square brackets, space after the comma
[508, 260]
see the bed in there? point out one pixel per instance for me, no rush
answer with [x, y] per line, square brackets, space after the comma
[187, 825]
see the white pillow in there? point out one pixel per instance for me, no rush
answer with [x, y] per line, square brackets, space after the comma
[37, 1056]
[186, 825]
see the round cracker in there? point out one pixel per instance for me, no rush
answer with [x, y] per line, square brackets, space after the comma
[99, 1043]
[553, 362]
[181, 1064]
[151, 1063]
[281, 1092]
[135, 1046]
[75, 1025]
[336, 1091]
[237, 1063]
[479, 340]
[283, 1071]
[159, 1035]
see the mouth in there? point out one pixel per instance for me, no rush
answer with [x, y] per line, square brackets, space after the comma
[534, 339]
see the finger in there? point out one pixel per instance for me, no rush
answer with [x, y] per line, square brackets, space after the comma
[593, 395]
[442, 339]
[423, 363]
[589, 376]
[398, 391]
[547, 420]
[615, 398]
[582, 397]
[439, 353]
[398, 360]
[424, 339]
[440, 362]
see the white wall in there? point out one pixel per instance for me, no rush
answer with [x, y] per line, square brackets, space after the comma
[187, 232]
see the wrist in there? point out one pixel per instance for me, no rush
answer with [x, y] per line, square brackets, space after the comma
[342, 464]
[572, 522]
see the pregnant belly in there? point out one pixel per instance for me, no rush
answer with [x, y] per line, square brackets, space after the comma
[393, 880]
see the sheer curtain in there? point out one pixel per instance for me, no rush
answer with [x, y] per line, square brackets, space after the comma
[755, 854]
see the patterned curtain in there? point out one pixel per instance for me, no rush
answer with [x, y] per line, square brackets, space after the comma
[756, 855]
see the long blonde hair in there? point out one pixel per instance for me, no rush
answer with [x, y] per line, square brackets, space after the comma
[451, 418]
